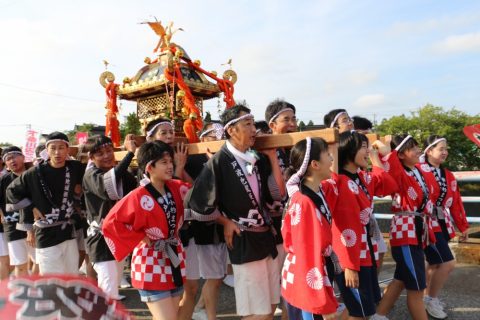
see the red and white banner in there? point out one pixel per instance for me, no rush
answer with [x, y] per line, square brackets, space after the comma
[30, 145]
[473, 133]
[82, 137]
[57, 297]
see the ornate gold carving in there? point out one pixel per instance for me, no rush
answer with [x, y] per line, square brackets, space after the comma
[230, 75]
[106, 76]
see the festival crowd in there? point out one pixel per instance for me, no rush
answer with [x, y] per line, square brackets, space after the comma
[278, 222]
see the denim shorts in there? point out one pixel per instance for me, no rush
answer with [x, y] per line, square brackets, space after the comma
[155, 295]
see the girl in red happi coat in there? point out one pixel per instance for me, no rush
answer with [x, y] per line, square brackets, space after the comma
[306, 286]
[354, 224]
[411, 228]
[448, 208]
[147, 222]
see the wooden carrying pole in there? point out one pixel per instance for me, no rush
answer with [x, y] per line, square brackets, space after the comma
[285, 140]
[373, 137]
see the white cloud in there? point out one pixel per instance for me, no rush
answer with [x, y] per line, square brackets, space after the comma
[469, 42]
[369, 100]
[360, 78]
[318, 56]
[445, 23]
[349, 80]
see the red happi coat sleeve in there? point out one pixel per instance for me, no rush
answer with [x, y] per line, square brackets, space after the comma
[123, 227]
[408, 188]
[330, 190]
[382, 182]
[347, 228]
[307, 238]
[138, 215]
[392, 165]
[408, 198]
[457, 211]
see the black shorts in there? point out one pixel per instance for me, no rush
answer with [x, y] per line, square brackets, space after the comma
[361, 301]
[438, 252]
[445, 232]
[410, 268]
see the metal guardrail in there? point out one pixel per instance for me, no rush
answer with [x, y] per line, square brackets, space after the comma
[461, 176]
[386, 216]
[467, 176]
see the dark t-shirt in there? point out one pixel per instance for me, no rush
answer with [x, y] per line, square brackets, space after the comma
[204, 233]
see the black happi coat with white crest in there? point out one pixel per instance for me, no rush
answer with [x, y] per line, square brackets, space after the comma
[102, 189]
[52, 192]
[11, 218]
[219, 190]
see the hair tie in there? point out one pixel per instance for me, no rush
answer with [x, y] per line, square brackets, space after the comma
[294, 181]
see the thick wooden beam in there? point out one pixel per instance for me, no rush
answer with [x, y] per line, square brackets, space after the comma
[270, 141]
[373, 137]
[333, 150]
[265, 142]
[139, 140]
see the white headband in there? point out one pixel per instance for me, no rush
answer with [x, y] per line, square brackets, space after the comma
[145, 179]
[294, 181]
[95, 149]
[11, 153]
[423, 157]
[336, 118]
[403, 142]
[233, 121]
[275, 116]
[434, 143]
[215, 127]
[56, 140]
[151, 131]
[204, 133]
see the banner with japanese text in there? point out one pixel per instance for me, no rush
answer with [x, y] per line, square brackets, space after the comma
[31, 142]
[57, 297]
[82, 137]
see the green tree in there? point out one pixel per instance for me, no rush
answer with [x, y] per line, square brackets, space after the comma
[85, 127]
[130, 125]
[5, 144]
[310, 123]
[301, 126]
[429, 120]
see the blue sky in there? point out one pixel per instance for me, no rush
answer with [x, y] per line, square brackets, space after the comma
[375, 58]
